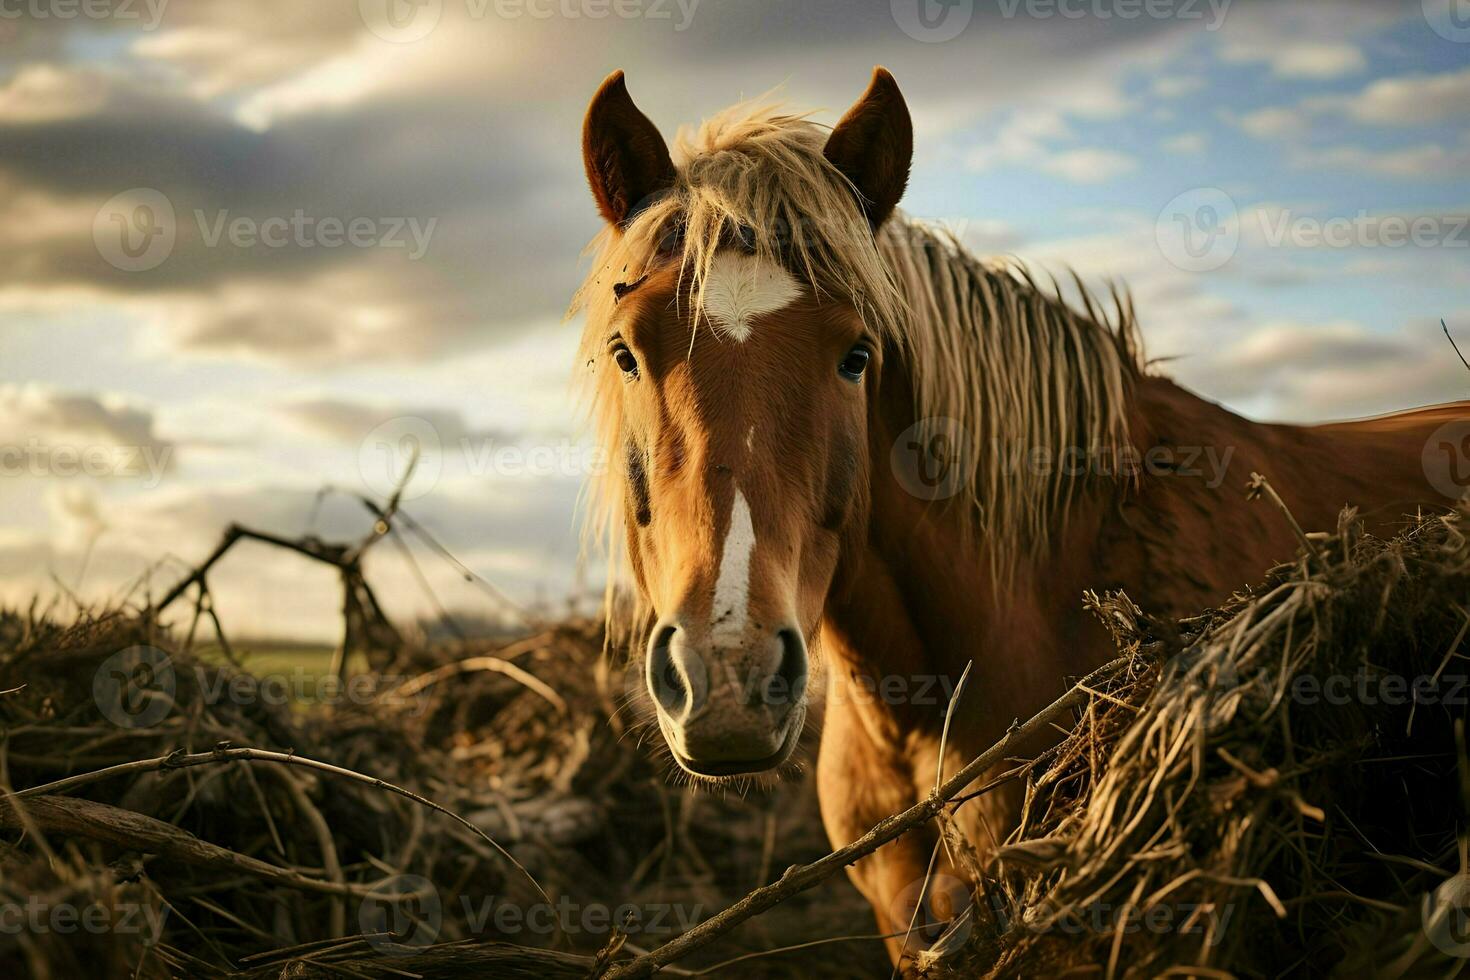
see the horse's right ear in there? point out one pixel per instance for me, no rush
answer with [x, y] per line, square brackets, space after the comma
[627, 161]
[873, 145]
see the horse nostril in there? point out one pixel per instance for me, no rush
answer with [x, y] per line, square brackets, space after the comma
[788, 684]
[664, 680]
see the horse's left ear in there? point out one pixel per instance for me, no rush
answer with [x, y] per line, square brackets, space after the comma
[627, 161]
[873, 146]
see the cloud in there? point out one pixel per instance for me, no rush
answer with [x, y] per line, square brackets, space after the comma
[1422, 160]
[1089, 165]
[1271, 121]
[1305, 59]
[1176, 86]
[1399, 101]
[49, 433]
[1291, 369]
[349, 422]
[1025, 140]
[1186, 143]
[1406, 100]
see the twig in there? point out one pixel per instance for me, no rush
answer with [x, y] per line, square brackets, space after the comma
[416, 685]
[1453, 344]
[1259, 486]
[182, 759]
[800, 877]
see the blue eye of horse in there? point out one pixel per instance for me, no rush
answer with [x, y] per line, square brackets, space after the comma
[855, 363]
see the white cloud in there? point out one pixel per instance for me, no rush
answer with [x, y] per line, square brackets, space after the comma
[1186, 143]
[1304, 59]
[1089, 165]
[1175, 86]
[1403, 101]
[1025, 138]
[1272, 121]
[1419, 161]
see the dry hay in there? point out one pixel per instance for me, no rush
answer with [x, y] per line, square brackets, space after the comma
[1219, 806]
[1255, 792]
[262, 869]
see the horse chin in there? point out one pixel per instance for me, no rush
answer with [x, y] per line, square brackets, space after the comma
[727, 771]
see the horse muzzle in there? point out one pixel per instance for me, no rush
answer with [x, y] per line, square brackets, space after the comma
[728, 708]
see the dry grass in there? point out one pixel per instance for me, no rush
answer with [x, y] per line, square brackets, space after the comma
[263, 869]
[1219, 807]
[1223, 808]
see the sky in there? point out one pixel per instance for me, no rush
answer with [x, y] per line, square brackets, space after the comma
[252, 251]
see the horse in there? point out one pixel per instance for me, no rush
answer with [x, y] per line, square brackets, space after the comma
[839, 433]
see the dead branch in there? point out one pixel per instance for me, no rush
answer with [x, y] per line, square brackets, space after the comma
[800, 877]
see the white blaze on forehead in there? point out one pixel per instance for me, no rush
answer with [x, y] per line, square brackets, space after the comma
[740, 287]
[732, 587]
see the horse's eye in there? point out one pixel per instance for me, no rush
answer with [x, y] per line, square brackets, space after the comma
[626, 362]
[855, 363]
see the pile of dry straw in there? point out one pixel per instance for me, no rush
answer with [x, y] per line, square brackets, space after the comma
[1271, 787]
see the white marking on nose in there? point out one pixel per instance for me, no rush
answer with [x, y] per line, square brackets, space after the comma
[732, 587]
[740, 287]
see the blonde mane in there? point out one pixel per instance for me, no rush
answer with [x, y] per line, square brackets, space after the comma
[1015, 367]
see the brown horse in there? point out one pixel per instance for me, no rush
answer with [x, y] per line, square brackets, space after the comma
[841, 433]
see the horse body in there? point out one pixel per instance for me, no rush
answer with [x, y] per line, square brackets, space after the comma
[920, 602]
[765, 343]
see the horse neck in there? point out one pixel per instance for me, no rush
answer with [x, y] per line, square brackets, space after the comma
[918, 598]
